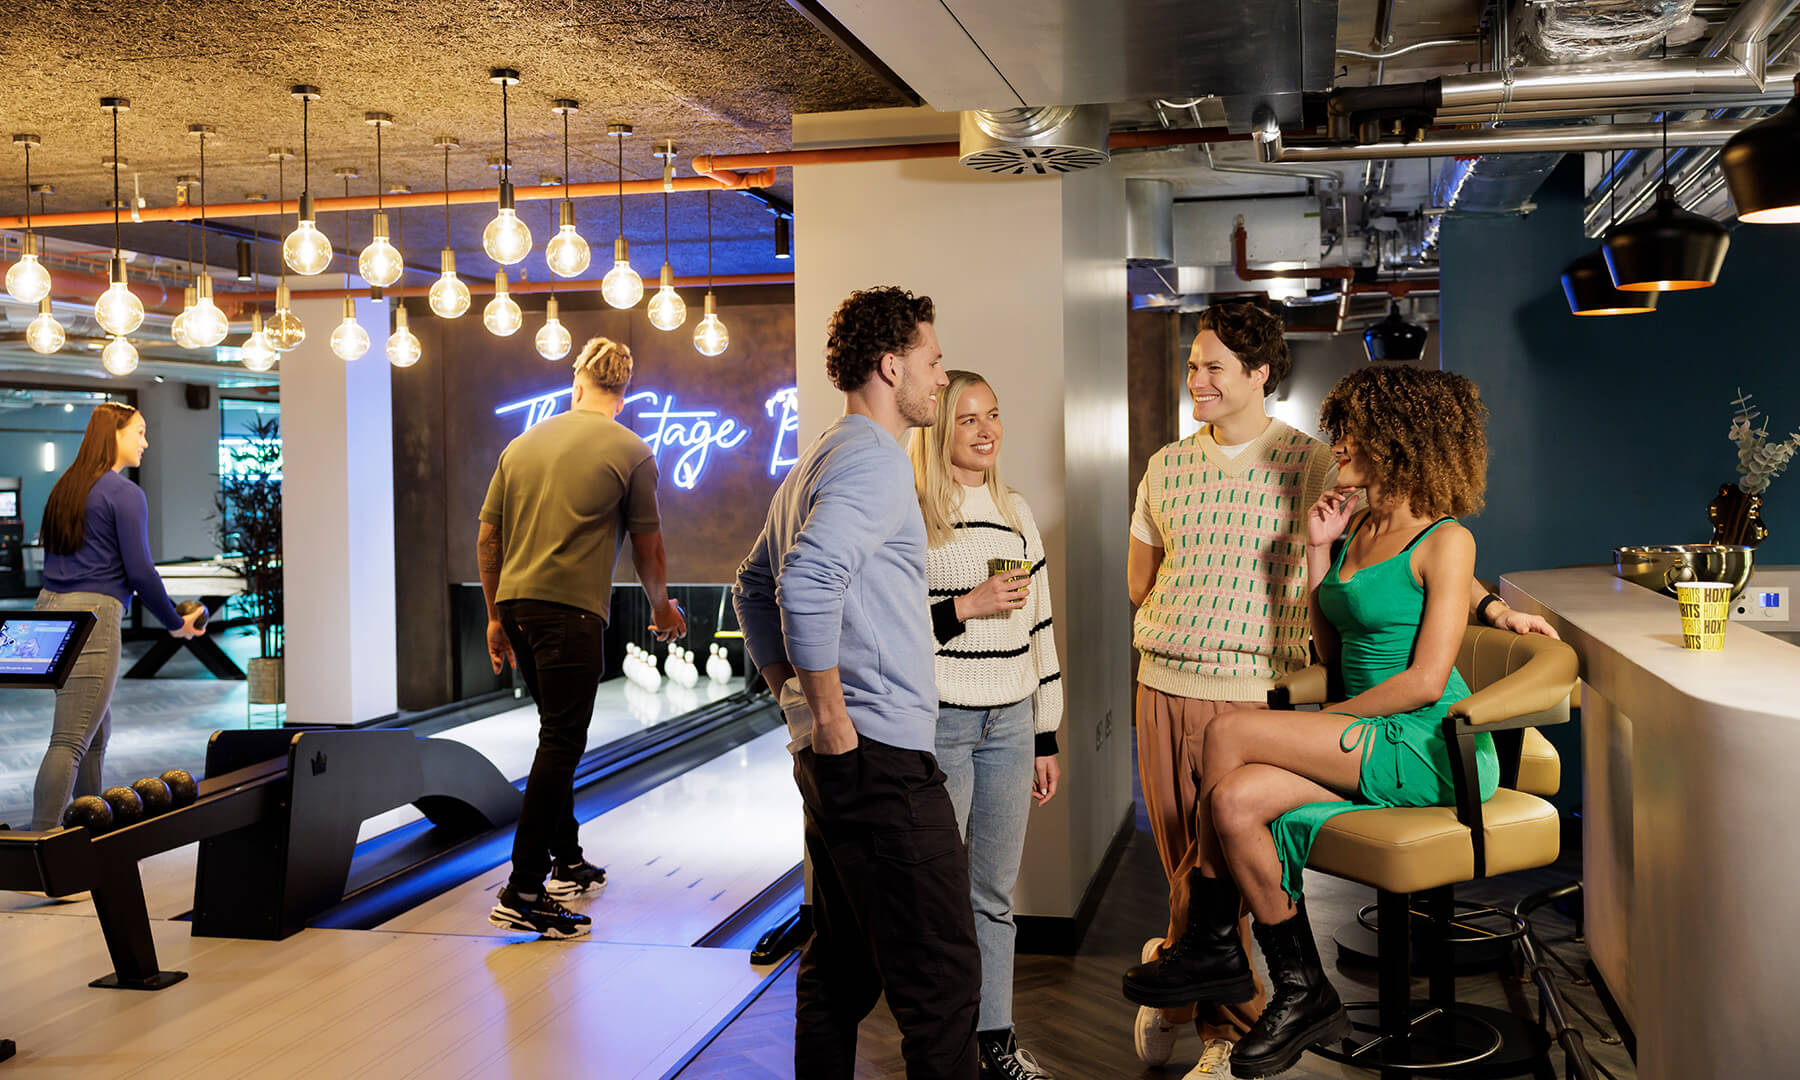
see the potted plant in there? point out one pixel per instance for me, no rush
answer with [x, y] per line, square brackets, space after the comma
[1736, 512]
[249, 526]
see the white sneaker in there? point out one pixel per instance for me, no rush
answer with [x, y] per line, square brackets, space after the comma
[1215, 1062]
[1153, 1038]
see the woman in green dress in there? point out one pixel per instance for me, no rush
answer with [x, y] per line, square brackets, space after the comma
[1388, 605]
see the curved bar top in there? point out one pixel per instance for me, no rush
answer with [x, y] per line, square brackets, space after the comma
[1690, 826]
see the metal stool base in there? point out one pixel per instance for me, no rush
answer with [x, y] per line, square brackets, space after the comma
[1470, 1041]
[1472, 952]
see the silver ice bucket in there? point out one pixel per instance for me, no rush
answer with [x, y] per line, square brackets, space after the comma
[1663, 566]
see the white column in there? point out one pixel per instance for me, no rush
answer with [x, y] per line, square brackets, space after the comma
[1028, 275]
[338, 522]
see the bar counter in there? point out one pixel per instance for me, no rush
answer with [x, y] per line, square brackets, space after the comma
[1691, 798]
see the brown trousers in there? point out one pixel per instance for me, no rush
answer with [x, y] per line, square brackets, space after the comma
[1171, 733]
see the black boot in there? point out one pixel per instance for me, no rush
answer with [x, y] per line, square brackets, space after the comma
[1303, 1008]
[1206, 965]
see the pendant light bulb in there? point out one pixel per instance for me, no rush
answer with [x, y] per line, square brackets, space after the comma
[402, 345]
[178, 327]
[284, 331]
[667, 309]
[206, 324]
[567, 253]
[118, 311]
[506, 238]
[710, 336]
[306, 250]
[348, 339]
[119, 357]
[502, 316]
[27, 281]
[553, 340]
[449, 296]
[380, 264]
[45, 334]
[256, 353]
[621, 286]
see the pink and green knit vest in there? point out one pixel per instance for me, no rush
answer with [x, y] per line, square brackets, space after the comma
[1229, 603]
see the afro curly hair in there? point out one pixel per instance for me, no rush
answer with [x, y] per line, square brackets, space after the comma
[1253, 335]
[868, 326]
[1423, 431]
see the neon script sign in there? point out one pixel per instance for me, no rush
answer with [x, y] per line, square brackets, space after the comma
[692, 435]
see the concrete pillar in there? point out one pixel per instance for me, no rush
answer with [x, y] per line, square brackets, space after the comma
[1028, 275]
[338, 522]
[180, 475]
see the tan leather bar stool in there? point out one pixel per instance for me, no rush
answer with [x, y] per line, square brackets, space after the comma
[1414, 856]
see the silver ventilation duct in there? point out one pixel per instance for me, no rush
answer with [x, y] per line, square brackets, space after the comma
[1572, 31]
[1035, 141]
[1149, 223]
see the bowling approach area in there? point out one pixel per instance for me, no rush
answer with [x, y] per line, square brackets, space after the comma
[393, 970]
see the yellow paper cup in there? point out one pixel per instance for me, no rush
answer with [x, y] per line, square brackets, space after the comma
[1704, 608]
[1008, 566]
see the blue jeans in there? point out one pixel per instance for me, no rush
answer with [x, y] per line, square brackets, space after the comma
[987, 758]
[71, 766]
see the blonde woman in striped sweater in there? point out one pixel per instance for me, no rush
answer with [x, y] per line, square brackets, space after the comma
[999, 685]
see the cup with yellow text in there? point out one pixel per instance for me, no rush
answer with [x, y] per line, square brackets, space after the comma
[1704, 607]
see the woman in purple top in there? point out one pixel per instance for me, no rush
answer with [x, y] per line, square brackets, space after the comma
[96, 555]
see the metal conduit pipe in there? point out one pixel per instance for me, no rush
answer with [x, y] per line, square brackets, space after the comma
[1752, 20]
[1296, 172]
[1389, 54]
[1601, 80]
[1669, 99]
[1509, 141]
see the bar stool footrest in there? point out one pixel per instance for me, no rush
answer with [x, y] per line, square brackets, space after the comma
[1471, 1041]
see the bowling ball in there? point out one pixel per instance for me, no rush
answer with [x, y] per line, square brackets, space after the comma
[91, 812]
[187, 606]
[156, 795]
[127, 805]
[181, 786]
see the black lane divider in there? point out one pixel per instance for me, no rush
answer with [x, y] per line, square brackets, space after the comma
[402, 869]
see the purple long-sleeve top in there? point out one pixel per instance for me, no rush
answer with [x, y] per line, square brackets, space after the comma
[114, 557]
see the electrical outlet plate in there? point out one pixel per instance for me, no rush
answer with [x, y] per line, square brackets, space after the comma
[1767, 604]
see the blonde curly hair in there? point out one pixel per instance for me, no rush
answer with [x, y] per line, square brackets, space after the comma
[1424, 433]
[604, 363]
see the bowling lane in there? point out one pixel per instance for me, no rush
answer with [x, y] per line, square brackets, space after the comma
[351, 1003]
[680, 859]
[509, 739]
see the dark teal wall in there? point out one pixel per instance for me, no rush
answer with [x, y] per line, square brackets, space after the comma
[1611, 431]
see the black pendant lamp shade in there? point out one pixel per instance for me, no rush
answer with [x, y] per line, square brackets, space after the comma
[1588, 285]
[1762, 167]
[1393, 338]
[1666, 249]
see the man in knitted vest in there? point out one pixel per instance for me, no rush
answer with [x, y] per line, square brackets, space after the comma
[1218, 569]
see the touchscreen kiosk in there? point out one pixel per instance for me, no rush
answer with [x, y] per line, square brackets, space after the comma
[38, 648]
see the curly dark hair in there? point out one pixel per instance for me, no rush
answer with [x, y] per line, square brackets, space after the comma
[1424, 433]
[1253, 335]
[869, 325]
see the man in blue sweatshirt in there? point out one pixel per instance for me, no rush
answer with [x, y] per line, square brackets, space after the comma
[833, 603]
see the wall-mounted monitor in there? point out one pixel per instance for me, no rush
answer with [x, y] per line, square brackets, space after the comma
[38, 648]
[9, 504]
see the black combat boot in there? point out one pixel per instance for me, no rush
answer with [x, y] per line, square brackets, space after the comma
[1206, 965]
[1303, 1008]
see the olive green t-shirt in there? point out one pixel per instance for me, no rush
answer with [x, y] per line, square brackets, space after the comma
[560, 495]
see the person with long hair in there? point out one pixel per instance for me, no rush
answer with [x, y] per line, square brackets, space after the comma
[999, 686]
[96, 555]
[1387, 607]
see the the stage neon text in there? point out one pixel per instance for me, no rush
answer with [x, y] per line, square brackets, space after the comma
[695, 433]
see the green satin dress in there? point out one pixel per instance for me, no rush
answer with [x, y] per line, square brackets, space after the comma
[1405, 761]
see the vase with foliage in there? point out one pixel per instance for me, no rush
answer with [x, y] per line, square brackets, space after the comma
[1736, 512]
[249, 528]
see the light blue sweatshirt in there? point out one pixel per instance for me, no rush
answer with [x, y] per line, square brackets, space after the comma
[837, 579]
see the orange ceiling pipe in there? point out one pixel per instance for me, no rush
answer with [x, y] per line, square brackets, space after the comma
[340, 204]
[732, 171]
[233, 303]
[73, 288]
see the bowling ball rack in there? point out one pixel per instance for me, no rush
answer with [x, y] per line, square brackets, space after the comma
[276, 820]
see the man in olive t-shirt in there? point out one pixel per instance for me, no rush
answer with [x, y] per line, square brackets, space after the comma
[549, 538]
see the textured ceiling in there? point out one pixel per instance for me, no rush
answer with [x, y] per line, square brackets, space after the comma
[718, 76]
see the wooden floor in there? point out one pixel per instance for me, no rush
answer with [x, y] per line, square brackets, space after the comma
[1069, 1013]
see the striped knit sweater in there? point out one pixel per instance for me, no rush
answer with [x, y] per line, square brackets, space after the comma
[1228, 612]
[998, 659]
